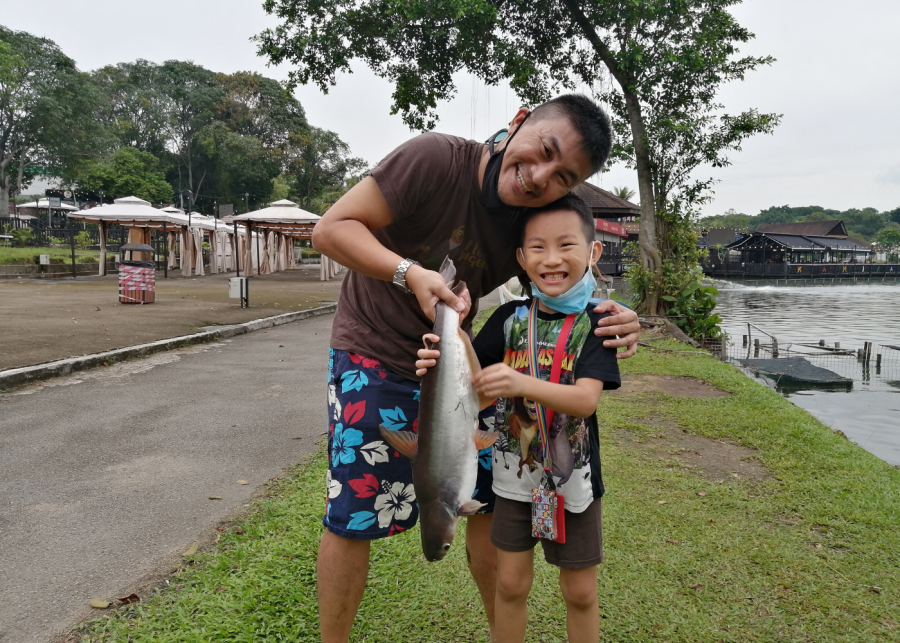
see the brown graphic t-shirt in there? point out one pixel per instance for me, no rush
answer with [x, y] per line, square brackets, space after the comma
[431, 186]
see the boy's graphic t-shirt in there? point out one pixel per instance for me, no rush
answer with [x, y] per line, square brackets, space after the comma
[574, 442]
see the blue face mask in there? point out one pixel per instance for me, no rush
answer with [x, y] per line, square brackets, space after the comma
[574, 300]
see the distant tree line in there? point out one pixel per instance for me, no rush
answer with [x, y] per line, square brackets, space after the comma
[867, 224]
[168, 133]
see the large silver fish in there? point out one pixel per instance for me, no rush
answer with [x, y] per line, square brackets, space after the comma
[444, 454]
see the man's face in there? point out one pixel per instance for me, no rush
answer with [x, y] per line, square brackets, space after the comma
[543, 162]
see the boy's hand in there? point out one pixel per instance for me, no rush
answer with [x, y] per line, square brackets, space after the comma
[427, 356]
[499, 380]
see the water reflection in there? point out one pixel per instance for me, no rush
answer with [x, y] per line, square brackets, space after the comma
[850, 315]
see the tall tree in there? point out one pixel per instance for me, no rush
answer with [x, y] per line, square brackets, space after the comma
[253, 105]
[667, 59]
[135, 110]
[194, 92]
[319, 162]
[128, 172]
[623, 192]
[46, 108]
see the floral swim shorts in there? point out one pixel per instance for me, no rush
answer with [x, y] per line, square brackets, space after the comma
[369, 484]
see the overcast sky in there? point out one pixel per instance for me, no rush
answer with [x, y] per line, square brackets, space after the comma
[836, 81]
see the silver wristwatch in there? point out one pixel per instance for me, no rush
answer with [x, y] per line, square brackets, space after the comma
[400, 274]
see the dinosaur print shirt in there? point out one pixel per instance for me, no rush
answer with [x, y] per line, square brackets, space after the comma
[574, 442]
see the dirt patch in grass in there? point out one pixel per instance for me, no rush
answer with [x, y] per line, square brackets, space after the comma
[669, 384]
[713, 459]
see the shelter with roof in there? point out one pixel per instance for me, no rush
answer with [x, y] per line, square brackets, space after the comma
[615, 221]
[803, 242]
[616, 218]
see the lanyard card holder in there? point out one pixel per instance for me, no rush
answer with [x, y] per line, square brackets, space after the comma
[548, 518]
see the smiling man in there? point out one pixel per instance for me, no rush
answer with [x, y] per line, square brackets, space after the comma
[434, 196]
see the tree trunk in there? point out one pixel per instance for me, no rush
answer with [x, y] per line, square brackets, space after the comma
[651, 259]
[4, 190]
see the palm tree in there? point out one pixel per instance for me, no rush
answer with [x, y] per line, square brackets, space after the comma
[623, 192]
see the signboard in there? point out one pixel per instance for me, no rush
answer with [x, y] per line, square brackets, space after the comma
[226, 210]
[45, 260]
[613, 228]
[55, 202]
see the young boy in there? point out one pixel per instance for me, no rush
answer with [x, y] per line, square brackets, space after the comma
[557, 251]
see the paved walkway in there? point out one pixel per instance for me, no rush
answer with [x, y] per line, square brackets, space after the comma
[105, 475]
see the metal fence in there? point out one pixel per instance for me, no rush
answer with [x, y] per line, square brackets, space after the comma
[57, 232]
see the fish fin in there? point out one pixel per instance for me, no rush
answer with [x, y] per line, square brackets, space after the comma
[470, 352]
[458, 288]
[483, 439]
[447, 270]
[469, 508]
[406, 442]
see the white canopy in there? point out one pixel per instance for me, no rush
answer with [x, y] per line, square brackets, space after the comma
[43, 204]
[131, 211]
[283, 216]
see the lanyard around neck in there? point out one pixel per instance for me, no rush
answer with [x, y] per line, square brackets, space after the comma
[545, 416]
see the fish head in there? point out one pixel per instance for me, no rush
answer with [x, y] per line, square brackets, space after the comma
[437, 522]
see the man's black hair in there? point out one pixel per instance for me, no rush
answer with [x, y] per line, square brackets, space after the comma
[588, 119]
[568, 203]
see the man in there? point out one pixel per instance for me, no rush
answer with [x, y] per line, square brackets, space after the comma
[434, 196]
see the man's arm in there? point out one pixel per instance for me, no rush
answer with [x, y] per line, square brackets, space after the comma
[622, 322]
[344, 234]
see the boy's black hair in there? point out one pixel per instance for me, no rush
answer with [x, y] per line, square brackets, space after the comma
[571, 203]
[588, 119]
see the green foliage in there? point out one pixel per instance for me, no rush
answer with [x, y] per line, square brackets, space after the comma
[46, 111]
[888, 239]
[861, 223]
[692, 307]
[83, 240]
[624, 192]
[318, 166]
[128, 172]
[21, 237]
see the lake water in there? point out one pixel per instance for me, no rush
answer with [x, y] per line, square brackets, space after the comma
[869, 413]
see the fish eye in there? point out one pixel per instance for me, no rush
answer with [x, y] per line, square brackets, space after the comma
[446, 547]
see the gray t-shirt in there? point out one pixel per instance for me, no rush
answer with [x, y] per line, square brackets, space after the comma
[431, 185]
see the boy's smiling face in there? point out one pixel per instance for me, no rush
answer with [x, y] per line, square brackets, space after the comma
[555, 252]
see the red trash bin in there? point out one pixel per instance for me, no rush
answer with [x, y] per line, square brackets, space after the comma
[137, 279]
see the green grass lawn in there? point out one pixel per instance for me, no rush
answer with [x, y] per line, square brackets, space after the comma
[26, 256]
[809, 554]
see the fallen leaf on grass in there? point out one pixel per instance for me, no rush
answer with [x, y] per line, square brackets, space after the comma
[238, 531]
[243, 482]
[131, 598]
[191, 550]
[215, 497]
[701, 493]
[697, 586]
[674, 542]
[661, 502]
[99, 604]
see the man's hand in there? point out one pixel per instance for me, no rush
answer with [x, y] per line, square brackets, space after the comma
[429, 288]
[499, 380]
[622, 322]
[427, 356]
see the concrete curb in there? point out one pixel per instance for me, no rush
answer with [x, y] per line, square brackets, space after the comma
[18, 376]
